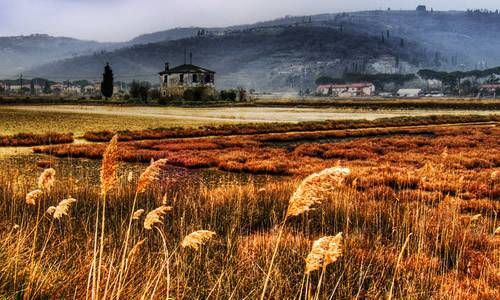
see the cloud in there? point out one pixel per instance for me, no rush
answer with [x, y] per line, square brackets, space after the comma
[119, 20]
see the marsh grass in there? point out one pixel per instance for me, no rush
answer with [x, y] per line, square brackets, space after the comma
[409, 220]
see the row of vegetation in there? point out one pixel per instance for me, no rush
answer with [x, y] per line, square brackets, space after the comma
[406, 217]
[246, 129]
[31, 139]
[277, 153]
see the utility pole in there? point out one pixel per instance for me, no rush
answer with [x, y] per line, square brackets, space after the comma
[21, 82]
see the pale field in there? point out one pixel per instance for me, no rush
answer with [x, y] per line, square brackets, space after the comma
[79, 119]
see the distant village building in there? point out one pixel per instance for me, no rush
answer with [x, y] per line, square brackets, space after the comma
[175, 81]
[346, 90]
[492, 88]
[409, 93]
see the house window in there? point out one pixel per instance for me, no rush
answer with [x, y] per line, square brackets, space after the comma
[181, 78]
[207, 78]
[195, 78]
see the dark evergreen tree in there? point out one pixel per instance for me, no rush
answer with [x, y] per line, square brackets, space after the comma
[32, 87]
[107, 82]
[46, 87]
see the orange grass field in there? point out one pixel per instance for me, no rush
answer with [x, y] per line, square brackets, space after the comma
[380, 213]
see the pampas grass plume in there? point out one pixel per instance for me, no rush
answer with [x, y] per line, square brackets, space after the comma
[61, 209]
[46, 179]
[313, 188]
[156, 216]
[150, 175]
[33, 196]
[325, 251]
[137, 214]
[195, 239]
[109, 166]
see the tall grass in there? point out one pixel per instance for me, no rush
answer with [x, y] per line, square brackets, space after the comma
[409, 220]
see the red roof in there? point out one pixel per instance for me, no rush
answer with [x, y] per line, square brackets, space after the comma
[491, 86]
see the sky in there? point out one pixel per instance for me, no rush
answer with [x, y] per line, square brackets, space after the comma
[121, 20]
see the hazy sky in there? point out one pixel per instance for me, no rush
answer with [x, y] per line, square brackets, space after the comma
[120, 20]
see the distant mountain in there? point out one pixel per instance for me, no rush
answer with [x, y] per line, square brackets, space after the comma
[19, 53]
[276, 57]
[290, 52]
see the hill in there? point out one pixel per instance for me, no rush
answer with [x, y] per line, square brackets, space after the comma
[292, 52]
[19, 53]
[276, 57]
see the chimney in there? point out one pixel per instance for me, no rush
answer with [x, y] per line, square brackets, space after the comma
[190, 58]
[167, 67]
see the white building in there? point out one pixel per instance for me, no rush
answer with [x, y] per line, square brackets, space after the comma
[346, 90]
[409, 93]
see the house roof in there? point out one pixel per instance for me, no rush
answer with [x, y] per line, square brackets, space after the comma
[186, 68]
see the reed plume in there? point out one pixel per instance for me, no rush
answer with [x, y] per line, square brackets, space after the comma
[312, 189]
[33, 196]
[61, 209]
[325, 251]
[150, 175]
[156, 216]
[196, 239]
[46, 179]
[109, 166]
[137, 214]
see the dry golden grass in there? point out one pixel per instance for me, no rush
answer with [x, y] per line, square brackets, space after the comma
[418, 216]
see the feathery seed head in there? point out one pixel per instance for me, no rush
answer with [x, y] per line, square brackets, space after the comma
[325, 251]
[312, 190]
[137, 214]
[46, 179]
[51, 210]
[33, 196]
[109, 166]
[150, 175]
[62, 208]
[156, 216]
[196, 239]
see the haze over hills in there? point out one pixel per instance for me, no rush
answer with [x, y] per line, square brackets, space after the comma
[285, 53]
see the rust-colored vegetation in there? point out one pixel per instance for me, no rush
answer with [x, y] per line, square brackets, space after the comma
[31, 139]
[248, 129]
[415, 216]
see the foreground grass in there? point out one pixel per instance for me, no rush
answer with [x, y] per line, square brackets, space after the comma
[418, 216]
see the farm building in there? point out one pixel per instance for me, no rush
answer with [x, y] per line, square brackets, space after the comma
[409, 92]
[174, 81]
[346, 90]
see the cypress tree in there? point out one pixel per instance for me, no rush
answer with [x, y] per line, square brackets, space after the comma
[107, 82]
